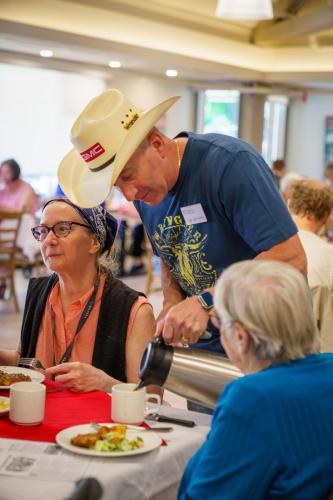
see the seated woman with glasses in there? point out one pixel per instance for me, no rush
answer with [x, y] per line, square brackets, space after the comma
[272, 433]
[87, 328]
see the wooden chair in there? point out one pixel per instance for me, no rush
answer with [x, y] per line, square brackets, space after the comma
[150, 266]
[29, 267]
[149, 286]
[28, 257]
[9, 226]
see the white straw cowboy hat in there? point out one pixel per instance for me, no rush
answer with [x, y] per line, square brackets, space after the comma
[105, 135]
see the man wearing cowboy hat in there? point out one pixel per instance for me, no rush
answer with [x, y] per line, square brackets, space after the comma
[206, 201]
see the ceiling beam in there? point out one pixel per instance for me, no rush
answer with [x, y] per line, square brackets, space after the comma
[212, 69]
[295, 6]
[280, 32]
[290, 77]
[179, 17]
[29, 60]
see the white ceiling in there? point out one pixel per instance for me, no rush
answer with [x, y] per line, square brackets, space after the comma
[295, 50]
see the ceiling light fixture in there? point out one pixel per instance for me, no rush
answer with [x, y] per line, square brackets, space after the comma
[172, 73]
[46, 53]
[115, 64]
[244, 9]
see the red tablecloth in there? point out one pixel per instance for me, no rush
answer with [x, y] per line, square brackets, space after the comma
[62, 409]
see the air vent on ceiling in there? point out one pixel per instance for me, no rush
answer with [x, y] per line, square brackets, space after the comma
[322, 41]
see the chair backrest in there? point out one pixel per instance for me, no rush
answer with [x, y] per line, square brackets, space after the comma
[150, 265]
[9, 226]
[322, 301]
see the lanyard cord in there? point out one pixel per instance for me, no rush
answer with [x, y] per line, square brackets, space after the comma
[84, 316]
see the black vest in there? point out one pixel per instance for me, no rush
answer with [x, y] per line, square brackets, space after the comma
[109, 352]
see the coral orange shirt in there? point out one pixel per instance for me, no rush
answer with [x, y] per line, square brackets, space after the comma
[50, 348]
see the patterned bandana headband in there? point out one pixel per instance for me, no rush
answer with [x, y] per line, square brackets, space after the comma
[101, 222]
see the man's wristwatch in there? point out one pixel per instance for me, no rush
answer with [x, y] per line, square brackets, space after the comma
[206, 300]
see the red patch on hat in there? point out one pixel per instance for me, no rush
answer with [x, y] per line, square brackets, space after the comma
[92, 152]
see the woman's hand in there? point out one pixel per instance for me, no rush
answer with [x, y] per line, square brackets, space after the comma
[9, 357]
[81, 377]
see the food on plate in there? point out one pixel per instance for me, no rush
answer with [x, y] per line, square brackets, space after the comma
[4, 405]
[108, 439]
[11, 378]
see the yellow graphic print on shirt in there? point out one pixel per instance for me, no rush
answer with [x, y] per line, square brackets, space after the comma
[182, 248]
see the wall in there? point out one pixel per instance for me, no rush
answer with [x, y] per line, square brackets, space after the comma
[146, 91]
[37, 109]
[252, 119]
[306, 129]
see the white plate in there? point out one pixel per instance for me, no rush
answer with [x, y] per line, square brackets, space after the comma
[5, 410]
[35, 376]
[150, 439]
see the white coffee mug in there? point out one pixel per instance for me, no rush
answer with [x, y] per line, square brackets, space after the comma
[27, 403]
[130, 406]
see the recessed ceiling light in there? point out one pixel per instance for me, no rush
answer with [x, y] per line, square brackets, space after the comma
[46, 53]
[244, 9]
[172, 73]
[114, 64]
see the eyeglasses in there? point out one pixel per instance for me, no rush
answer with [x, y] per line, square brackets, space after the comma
[217, 322]
[60, 229]
[215, 319]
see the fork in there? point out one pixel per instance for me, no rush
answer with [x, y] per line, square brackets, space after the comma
[137, 428]
[33, 363]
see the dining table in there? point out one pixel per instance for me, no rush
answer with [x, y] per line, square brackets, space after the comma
[34, 467]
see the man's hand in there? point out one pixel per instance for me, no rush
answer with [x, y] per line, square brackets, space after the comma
[184, 322]
[81, 377]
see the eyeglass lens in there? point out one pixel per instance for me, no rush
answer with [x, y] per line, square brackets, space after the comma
[61, 229]
[215, 320]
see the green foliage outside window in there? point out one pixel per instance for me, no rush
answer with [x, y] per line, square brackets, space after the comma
[221, 112]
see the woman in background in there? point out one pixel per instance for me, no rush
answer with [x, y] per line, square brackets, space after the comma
[16, 193]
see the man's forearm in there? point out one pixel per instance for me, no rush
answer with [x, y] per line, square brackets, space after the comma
[290, 251]
[172, 293]
[166, 307]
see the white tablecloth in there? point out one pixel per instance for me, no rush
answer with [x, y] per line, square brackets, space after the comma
[150, 476]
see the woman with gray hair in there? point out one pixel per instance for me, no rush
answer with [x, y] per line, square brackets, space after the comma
[272, 434]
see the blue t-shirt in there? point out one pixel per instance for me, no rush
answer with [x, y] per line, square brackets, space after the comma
[231, 192]
[241, 213]
[271, 437]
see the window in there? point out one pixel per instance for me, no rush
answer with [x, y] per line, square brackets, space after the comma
[274, 133]
[218, 111]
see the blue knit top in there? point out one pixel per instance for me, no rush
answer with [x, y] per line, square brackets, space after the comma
[271, 437]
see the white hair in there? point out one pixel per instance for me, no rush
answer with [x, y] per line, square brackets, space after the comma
[288, 180]
[272, 301]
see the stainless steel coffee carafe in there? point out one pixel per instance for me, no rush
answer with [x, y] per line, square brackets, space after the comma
[192, 373]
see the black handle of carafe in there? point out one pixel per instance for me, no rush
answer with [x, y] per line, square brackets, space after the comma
[155, 363]
[159, 340]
